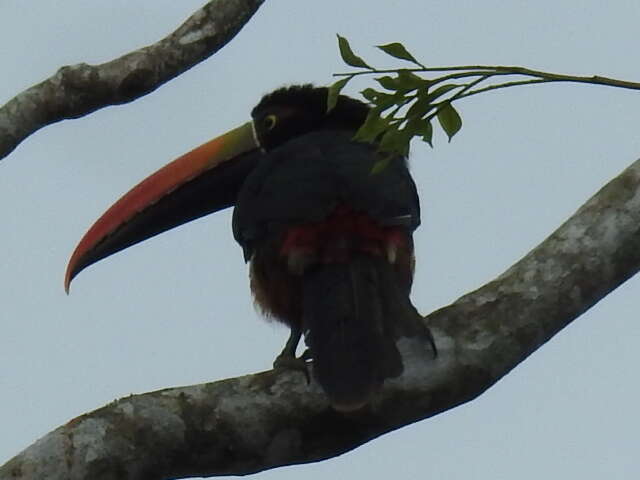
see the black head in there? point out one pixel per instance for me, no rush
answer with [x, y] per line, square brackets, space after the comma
[292, 111]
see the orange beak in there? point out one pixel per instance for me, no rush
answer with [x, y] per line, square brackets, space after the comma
[203, 181]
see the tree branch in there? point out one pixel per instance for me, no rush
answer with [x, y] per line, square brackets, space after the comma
[270, 419]
[80, 89]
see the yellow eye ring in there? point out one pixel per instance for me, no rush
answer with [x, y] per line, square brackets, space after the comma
[270, 121]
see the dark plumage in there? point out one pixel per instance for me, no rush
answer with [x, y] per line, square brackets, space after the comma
[330, 242]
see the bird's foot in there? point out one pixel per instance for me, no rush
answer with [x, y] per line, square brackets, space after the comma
[287, 360]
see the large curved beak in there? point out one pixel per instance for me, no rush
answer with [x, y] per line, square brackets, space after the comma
[203, 181]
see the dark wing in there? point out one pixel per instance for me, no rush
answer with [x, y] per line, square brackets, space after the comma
[306, 178]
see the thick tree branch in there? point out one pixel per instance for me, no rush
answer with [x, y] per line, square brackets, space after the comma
[80, 89]
[261, 421]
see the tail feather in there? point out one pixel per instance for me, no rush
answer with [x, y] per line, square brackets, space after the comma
[353, 314]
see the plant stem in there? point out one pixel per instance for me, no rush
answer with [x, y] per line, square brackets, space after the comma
[457, 96]
[508, 84]
[470, 70]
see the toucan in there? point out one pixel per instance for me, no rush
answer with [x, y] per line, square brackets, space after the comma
[326, 223]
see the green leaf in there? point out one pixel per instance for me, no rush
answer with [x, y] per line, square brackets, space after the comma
[420, 127]
[403, 82]
[420, 107]
[372, 127]
[385, 101]
[334, 92]
[381, 100]
[370, 94]
[427, 135]
[387, 82]
[449, 119]
[348, 56]
[397, 50]
[408, 81]
[395, 141]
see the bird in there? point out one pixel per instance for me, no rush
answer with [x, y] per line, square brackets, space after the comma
[326, 223]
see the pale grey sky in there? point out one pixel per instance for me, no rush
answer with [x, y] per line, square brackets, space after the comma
[177, 310]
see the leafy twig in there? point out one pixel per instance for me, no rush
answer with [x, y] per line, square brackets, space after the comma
[404, 87]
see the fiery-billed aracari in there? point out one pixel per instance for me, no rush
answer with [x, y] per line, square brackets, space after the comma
[329, 236]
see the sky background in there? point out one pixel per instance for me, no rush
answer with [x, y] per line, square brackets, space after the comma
[177, 310]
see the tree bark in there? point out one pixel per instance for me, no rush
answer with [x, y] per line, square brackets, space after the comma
[269, 419]
[77, 90]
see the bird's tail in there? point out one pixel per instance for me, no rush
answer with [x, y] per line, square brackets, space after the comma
[353, 313]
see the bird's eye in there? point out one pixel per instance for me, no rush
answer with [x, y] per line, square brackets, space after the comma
[270, 121]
